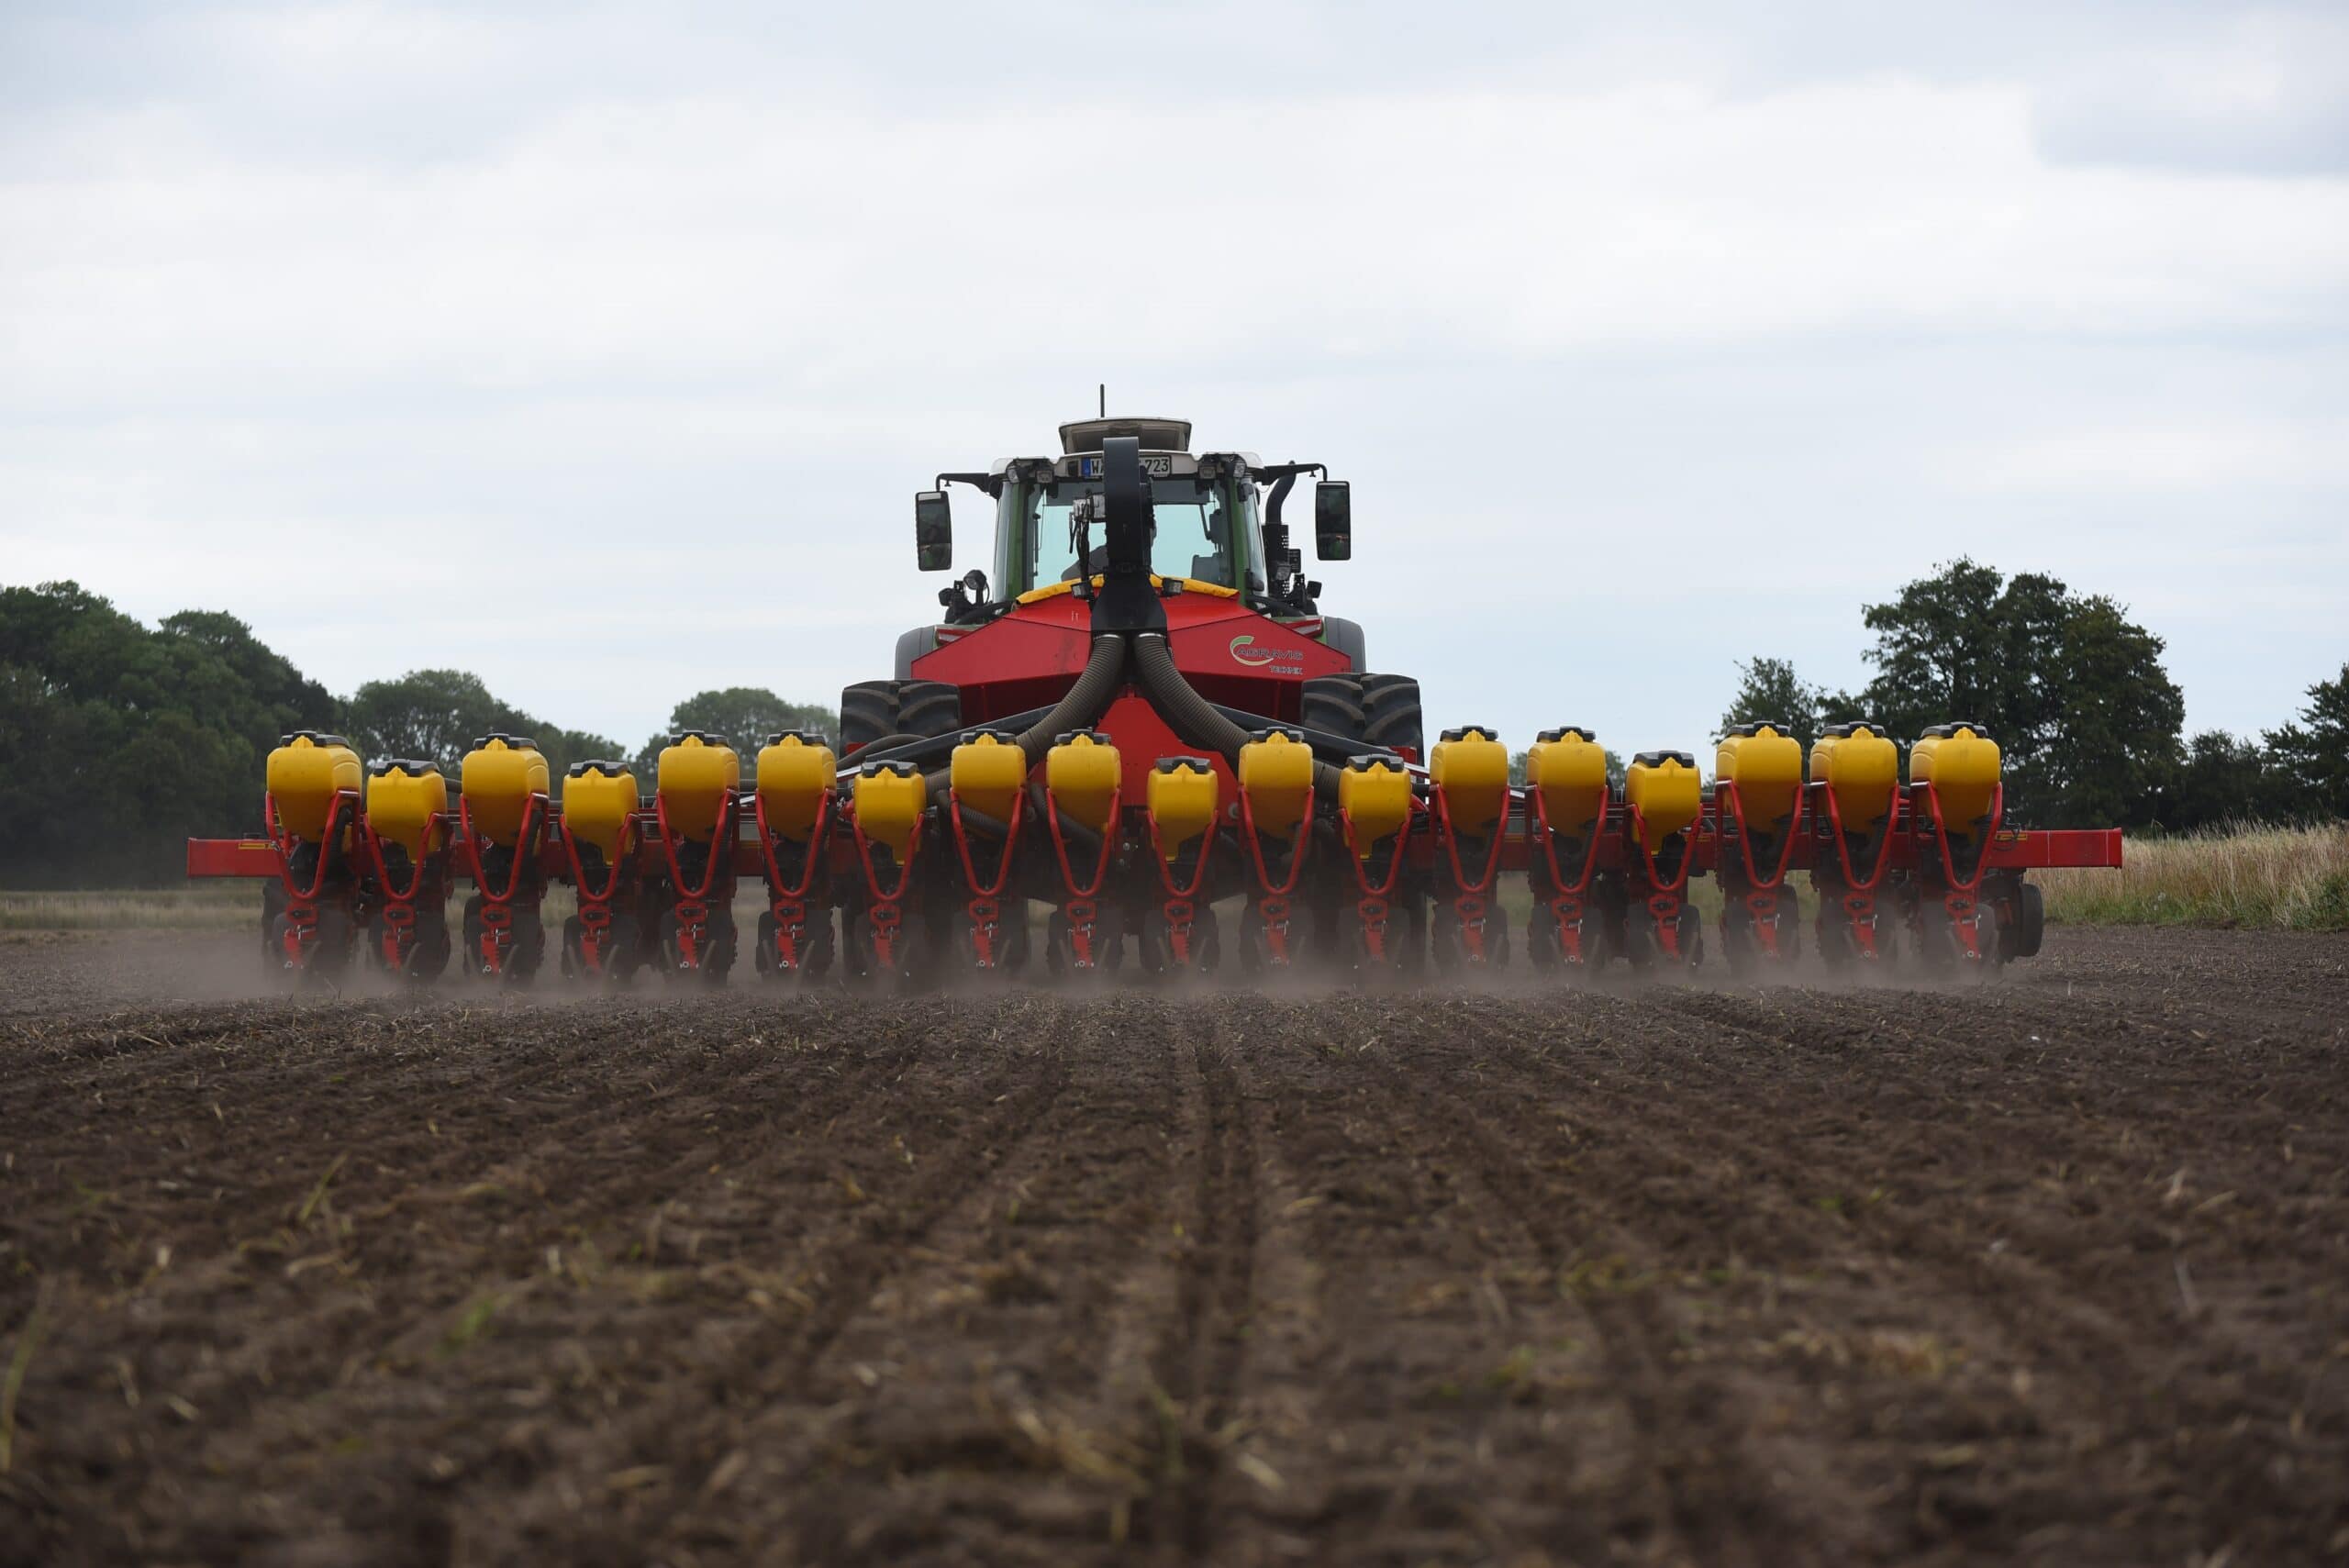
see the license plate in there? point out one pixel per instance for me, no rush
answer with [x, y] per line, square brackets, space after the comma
[1158, 465]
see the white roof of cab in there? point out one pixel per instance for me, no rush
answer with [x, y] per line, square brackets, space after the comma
[1155, 435]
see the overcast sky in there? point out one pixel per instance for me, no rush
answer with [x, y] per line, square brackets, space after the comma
[600, 351]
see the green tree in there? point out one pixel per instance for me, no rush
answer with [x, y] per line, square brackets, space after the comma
[2072, 690]
[437, 715]
[268, 678]
[1768, 691]
[2313, 756]
[116, 741]
[2225, 779]
[745, 715]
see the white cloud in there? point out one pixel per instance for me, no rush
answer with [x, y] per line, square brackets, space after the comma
[2127, 459]
[1620, 331]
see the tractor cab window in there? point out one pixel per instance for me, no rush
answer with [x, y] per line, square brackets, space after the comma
[1192, 537]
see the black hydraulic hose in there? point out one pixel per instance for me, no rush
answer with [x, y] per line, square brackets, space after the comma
[928, 748]
[1194, 718]
[1104, 670]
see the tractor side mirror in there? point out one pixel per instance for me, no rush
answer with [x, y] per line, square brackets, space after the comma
[933, 530]
[1333, 520]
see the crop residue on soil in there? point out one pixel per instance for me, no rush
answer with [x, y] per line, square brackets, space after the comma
[2056, 1270]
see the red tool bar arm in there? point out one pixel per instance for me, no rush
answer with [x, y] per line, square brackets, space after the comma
[2022, 848]
[232, 857]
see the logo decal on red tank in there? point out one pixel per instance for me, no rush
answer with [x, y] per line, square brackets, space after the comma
[1245, 651]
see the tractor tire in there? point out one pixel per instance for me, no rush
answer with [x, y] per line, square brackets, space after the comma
[882, 710]
[1333, 704]
[1381, 712]
[1391, 714]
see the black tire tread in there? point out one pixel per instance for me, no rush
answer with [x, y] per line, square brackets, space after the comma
[1333, 705]
[868, 711]
[1391, 713]
[883, 710]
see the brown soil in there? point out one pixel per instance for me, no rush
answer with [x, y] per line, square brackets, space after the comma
[2054, 1271]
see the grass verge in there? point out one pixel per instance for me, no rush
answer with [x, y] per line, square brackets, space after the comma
[2287, 879]
[210, 906]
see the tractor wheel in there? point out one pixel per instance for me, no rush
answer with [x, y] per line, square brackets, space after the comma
[1333, 704]
[883, 710]
[1391, 714]
[1381, 712]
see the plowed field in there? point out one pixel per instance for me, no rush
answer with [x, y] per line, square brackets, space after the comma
[2055, 1270]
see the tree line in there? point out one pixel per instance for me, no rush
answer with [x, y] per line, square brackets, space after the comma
[119, 742]
[2090, 725]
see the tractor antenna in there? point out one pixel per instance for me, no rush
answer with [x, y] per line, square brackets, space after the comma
[1105, 400]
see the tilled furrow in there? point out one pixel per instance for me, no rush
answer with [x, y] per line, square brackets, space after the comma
[1419, 1347]
[753, 1358]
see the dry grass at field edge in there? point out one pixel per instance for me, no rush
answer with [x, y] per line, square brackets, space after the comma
[2293, 879]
